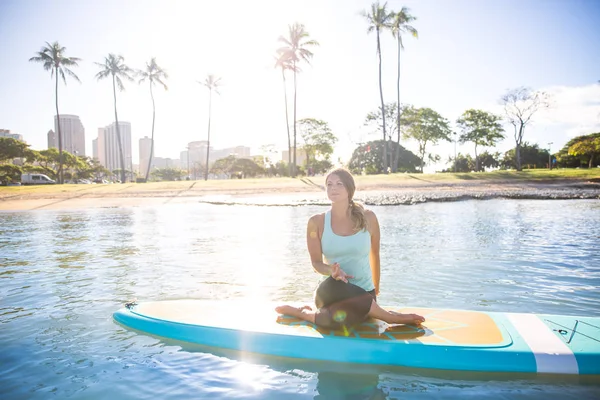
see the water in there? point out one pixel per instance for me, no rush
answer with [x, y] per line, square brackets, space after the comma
[63, 274]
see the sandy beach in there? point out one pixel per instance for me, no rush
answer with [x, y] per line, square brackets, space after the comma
[385, 190]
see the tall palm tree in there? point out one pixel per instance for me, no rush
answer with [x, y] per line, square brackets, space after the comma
[153, 74]
[379, 19]
[296, 50]
[53, 58]
[212, 83]
[400, 25]
[115, 67]
[283, 61]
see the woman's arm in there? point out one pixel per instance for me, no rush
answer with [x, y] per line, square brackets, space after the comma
[375, 244]
[313, 241]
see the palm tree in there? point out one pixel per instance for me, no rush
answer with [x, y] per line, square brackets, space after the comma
[379, 19]
[153, 74]
[295, 51]
[212, 83]
[401, 25]
[283, 61]
[115, 66]
[52, 56]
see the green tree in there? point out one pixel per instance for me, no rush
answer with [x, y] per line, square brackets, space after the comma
[53, 58]
[295, 50]
[374, 120]
[236, 167]
[115, 67]
[10, 173]
[462, 163]
[379, 19]
[530, 155]
[212, 83]
[153, 74]
[367, 158]
[12, 148]
[318, 139]
[585, 147]
[520, 105]
[426, 126]
[168, 174]
[481, 128]
[490, 160]
[400, 25]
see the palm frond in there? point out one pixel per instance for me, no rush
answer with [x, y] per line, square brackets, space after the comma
[71, 74]
[158, 79]
[119, 83]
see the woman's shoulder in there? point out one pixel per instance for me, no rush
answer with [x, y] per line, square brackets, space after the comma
[370, 217]
[317, 218]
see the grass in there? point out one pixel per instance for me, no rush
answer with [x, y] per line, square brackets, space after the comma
[290, 184]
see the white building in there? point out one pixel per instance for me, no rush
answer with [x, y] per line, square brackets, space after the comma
[237, 152]
[197, 152]
[108, 148]
[6, 133]
[300, 156]
[144, 147]
[72, 132]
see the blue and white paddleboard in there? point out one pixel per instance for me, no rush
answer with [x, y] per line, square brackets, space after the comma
[449, 339]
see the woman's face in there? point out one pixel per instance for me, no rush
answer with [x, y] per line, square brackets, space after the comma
[336, 191]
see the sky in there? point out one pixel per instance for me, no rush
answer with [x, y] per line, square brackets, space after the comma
[467, 55]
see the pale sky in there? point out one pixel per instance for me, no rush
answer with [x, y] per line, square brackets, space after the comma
[469, 52]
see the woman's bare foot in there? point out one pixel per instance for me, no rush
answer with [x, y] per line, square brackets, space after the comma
[408, 319]
[292, 311]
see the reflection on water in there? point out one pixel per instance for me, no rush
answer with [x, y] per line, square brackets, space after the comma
[63, 273]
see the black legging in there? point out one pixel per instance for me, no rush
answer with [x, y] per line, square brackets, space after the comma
[341, 304]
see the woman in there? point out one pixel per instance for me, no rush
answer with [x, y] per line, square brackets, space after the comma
[343, 244]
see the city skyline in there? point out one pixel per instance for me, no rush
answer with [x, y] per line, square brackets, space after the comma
[467, 55]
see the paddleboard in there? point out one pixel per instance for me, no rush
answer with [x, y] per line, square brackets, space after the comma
[449, 339]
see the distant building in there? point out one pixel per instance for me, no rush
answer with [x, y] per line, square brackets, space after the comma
[237, 151]
[160, 162]
[300, 156]
[6, 133]
[144, 147]
[95, 148]
[108, 148]
[72, 132]
[197, 152]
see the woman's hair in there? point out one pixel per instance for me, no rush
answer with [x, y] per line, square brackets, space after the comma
[357, 210]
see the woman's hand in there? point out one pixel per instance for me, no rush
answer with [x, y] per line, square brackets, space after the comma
[338, 273]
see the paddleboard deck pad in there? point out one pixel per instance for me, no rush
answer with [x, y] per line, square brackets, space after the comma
[449, 339]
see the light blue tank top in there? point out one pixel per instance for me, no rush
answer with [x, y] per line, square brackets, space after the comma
[351, 252]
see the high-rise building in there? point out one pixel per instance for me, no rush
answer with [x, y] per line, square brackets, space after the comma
[72, 132]
[237, 152]
[95, 148]
[197, 152]
[6, 133]
[145, 147]
[108, 146]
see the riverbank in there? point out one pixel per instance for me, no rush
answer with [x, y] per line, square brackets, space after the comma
[373, 190]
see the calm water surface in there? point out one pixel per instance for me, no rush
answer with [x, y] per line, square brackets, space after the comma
[63, 274]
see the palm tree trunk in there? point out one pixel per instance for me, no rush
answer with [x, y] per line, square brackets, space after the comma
[152, 143]
[397, 155]
[118, 134]
[295, 94]
[287, 122]
[208, 141]
[382, 107]
[60, 144]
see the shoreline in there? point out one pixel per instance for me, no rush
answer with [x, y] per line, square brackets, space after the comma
[289, 192]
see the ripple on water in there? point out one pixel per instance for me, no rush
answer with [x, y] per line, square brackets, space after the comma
[63, 274]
